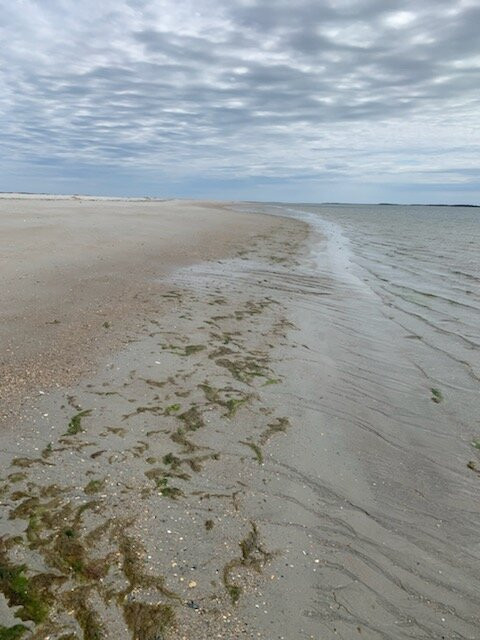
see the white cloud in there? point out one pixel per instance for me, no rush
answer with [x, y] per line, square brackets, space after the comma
[360, 90]
[399, 19]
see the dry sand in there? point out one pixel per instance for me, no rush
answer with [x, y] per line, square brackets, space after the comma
[217, 466]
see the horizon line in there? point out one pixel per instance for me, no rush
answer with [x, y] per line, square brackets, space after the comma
[163, 198]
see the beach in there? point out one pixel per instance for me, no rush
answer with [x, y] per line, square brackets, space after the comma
[70, 265]
[213, 426]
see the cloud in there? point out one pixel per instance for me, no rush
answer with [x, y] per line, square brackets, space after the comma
[359, 91]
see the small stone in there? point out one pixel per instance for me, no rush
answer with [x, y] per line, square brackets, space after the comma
[192, 584]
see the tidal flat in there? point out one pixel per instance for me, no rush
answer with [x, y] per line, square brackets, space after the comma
[125, 495]
[226, 433]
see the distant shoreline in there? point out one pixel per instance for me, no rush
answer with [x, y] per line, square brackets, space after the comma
[380, 204]
[78, 196]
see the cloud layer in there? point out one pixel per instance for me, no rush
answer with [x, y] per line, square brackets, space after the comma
[251, 98]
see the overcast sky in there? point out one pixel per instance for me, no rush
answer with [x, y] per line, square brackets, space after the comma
[301, 100]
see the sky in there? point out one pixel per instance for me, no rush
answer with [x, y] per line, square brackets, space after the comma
[298, 100]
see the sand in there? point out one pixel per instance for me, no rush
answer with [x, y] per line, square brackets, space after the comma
[217, 466]
[69, 265]
[140, 405]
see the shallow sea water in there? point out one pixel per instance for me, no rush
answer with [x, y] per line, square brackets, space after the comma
[424, 265]
[386, 394]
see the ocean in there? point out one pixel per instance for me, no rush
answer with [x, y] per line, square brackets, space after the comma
[422, 263]
[386, 392]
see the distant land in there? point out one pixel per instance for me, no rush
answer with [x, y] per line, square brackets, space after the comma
[399, 204]
[159, 198]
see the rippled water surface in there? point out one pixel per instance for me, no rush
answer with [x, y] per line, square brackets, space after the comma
[424, 264]
[386, 393]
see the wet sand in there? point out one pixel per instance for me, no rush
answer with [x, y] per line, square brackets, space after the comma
[252, 456]
[125, 487]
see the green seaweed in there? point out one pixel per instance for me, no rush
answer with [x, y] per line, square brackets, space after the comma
[271, 381]
[69, 555]
[133, 570]
[117, 431]
[32, 531]
[192, 419]
[220, 351]
[169, 458]
[21, 591]
[173, 408]
[92, 504]
[156, 410]
[25, 462]
[86, 617]
[234, 591]
[280, 426]
[244, 369]
[232, 406]
[253, 557]
[26, 508]
[18, 495]
[256, 449]
[69, 551]
[211, 394]
[12, 633]
[179, 438]
[17, 477]
[75, 424]
[154, 383]
[160, 478]
[473, 466]
[90, 624]
[251, 544]
[94, 486]
[437, 395]
[47, 451]
[190, 349]
[182, 394]
[171, 492]
[148, 621]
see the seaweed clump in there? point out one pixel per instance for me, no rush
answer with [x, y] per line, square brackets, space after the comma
[245, 369]
[30, 594]
[256, 449]
[253, 557]
[75, 424]
[12, 633]
[148, 622]
[86, 617]
[280, 426]
[231, 404]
